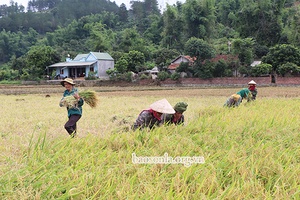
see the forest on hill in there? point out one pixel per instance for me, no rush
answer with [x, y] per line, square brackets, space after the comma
[143, 36]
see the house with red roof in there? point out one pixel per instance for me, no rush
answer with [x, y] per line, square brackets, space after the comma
[176, 62]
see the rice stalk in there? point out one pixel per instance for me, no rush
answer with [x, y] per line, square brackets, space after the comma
[90, 97]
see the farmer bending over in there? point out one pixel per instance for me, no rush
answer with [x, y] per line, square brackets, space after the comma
[176, 118]
[151, 117]
[236, 99]
[253, 90]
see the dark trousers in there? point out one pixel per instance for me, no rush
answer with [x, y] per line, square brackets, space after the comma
[70, 126]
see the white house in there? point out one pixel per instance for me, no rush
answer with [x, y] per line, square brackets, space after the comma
[83, 64]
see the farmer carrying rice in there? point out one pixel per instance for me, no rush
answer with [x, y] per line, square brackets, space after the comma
[152, 116]
[252, 88]
[176, 118]
[73, 102]
[236, 99]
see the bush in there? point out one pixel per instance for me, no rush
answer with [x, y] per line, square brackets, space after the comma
[144, 76]
[261, 69]
[162, 76]
[127, 76]
[91, 76]
[175, 76]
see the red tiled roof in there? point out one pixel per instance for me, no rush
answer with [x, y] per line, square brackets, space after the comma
[173, 66]
[190, 58]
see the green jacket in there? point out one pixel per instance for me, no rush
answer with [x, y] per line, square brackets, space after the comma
[244, 93]
[78, 109]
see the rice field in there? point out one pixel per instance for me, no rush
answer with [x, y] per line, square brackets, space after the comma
[249, 152]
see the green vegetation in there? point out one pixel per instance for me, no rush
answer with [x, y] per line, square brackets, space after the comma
[250, 152]
[143, 36]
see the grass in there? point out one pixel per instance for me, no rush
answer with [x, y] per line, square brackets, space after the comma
[250, 152]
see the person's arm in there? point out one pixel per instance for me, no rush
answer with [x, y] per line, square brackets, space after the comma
[79, 99]
[141, 121]
[62, 102]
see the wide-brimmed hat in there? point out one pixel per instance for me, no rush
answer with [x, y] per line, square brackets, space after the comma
[252, 82]
[68, 80]
[180, 107]
[162, 106]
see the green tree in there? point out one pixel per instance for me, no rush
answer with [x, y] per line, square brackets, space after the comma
[164, 56]
[199, 48]
[244, 49]
[261, 69]
[122, 65]
[282, 54]
[260, 20]
[203, 52]
[172, 29]
[136, 60]
[200, 18]
[100, 38]
[38, 58]
[288, 68]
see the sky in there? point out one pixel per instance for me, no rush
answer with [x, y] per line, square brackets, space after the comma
[162, 3]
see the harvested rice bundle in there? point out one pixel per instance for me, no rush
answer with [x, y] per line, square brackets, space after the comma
[69, 102]
[90, 97]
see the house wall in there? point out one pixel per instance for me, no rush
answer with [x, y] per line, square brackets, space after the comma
[66, 72]
[103, 66]
[87, 69]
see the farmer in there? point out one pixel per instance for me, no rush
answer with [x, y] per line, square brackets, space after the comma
[252, 88]
[74, 111]
[151, 117]
[176, 118]
[236, 99]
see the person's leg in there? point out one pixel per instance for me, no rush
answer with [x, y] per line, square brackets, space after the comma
[238, 102]
[70, 126]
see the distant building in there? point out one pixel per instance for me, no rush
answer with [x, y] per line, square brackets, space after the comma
[176, 62]
[83, 64]
[256, 62]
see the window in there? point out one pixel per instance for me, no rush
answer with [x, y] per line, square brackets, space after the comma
[92, 69]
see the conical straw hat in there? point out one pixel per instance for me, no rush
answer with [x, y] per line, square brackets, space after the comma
[252, 82]
[162, 106]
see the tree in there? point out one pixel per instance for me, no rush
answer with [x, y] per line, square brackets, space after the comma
[202, 51]
[199, 48]
[164, 56]
[260, 20]
[132, 61]
[244, 49]
[172, 29]
[38, 58]
[199, 18]
[261, 69]
[122, 65]
[288, 68]
[282, 54]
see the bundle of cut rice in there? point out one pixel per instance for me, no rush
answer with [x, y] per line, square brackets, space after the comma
[69, 102]
[89, 97]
